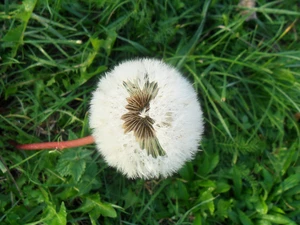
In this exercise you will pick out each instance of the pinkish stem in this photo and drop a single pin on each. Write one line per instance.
(56, 145)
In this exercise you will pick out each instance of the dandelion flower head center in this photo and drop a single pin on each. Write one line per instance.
(137, 118)
(144, 112)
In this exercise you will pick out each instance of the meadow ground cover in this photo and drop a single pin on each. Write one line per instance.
(246, 74)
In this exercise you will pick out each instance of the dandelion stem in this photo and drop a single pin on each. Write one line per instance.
(56, 145)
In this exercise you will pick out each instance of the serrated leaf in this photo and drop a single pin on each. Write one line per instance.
(94, 207)
(52, 217)
(34, 196)
(73, 162)
(73, 168)
(223, 208)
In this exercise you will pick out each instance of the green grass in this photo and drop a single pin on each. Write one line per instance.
(247, 75)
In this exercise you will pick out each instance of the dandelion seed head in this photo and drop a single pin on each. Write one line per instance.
(146, 119)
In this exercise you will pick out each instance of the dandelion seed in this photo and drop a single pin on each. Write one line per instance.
(146, 119)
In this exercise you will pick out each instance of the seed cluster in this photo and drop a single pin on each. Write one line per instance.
(137, 118)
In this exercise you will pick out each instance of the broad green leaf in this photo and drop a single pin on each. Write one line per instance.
(178, 190)
(293, 191)
(214, 161)
(268, 179)
(67, 193)
(130, 199)
(234, 217)
(204, 183)
(223, 207)
(182, 192)
(261, 206)
(277, 210)
(245, 220)
(290, 156)
(195, 208)
(110, 40)
(263, 222)
(288, 183)
(209, 164)
(187, 172)
(207, 195)
(14, 217)
(87, 183)
(86, 76)
(277, 219)
(52, 217)
(222, 187)
(44, 193)
(3, 167)
(13, 37)
(4, 200)
(237, 181)
(198, 219)
(75, 168)
(26, 9)
(96, 43)
(284, 75)
(94, 207)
